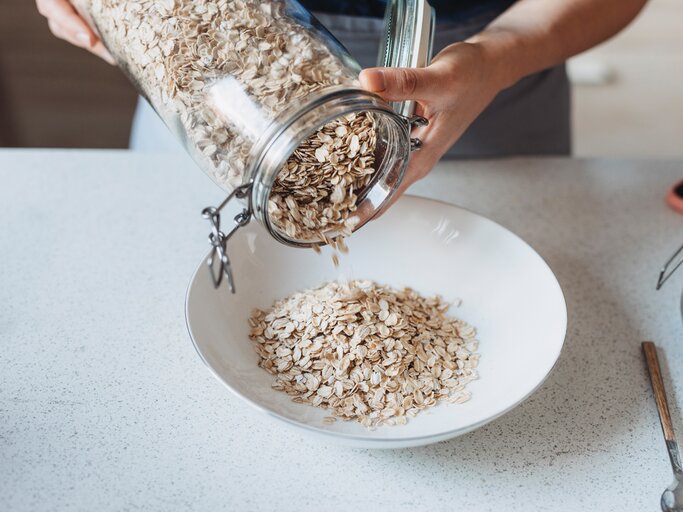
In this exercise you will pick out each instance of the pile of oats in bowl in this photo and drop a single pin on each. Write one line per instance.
(219, 71)
(366, 352)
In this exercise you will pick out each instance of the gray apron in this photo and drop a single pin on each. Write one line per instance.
(529, 118)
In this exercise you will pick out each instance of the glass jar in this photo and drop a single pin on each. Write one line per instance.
(268, 103)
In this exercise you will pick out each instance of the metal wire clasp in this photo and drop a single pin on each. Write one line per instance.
(219, 262)
(414, 121)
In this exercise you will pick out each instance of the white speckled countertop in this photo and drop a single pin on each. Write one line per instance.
(104, 404)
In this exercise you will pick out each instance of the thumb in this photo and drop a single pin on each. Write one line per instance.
(398, 84)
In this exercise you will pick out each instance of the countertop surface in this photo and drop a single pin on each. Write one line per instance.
(104, 404)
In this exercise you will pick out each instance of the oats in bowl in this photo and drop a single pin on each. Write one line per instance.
(366, 352)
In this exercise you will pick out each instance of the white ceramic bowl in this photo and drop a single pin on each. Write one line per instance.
(508, 293)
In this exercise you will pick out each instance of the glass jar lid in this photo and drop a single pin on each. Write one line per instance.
(408, 39)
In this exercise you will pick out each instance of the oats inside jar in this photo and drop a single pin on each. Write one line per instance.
(315, 195)
(218, 71)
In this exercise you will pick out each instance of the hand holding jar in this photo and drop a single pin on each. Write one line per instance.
(65, 23)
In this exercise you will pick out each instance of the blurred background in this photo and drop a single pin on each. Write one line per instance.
(628, 98)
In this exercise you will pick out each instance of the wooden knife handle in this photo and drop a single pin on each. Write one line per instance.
(650, 351)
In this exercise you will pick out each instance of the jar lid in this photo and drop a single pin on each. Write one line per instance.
(408, 39)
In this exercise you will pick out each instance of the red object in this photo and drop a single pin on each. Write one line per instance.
(675, 197)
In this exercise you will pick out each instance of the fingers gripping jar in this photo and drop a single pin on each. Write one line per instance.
(268, 104)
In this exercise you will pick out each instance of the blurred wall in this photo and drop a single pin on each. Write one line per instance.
(55, 95)
(638, 111)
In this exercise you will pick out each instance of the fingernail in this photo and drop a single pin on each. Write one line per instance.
(376, 80)
(83, 37)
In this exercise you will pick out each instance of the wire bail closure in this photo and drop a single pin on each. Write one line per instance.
(413, 122)
(219, 262)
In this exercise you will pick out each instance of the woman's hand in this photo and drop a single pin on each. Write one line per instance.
(67, 24)
(450, 93)
(465, 77)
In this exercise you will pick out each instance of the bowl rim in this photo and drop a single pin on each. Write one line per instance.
(412, 440)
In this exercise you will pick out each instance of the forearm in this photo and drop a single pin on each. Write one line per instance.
(537, 34)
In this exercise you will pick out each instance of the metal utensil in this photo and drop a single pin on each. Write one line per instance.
(672, 498)
(675, 261)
